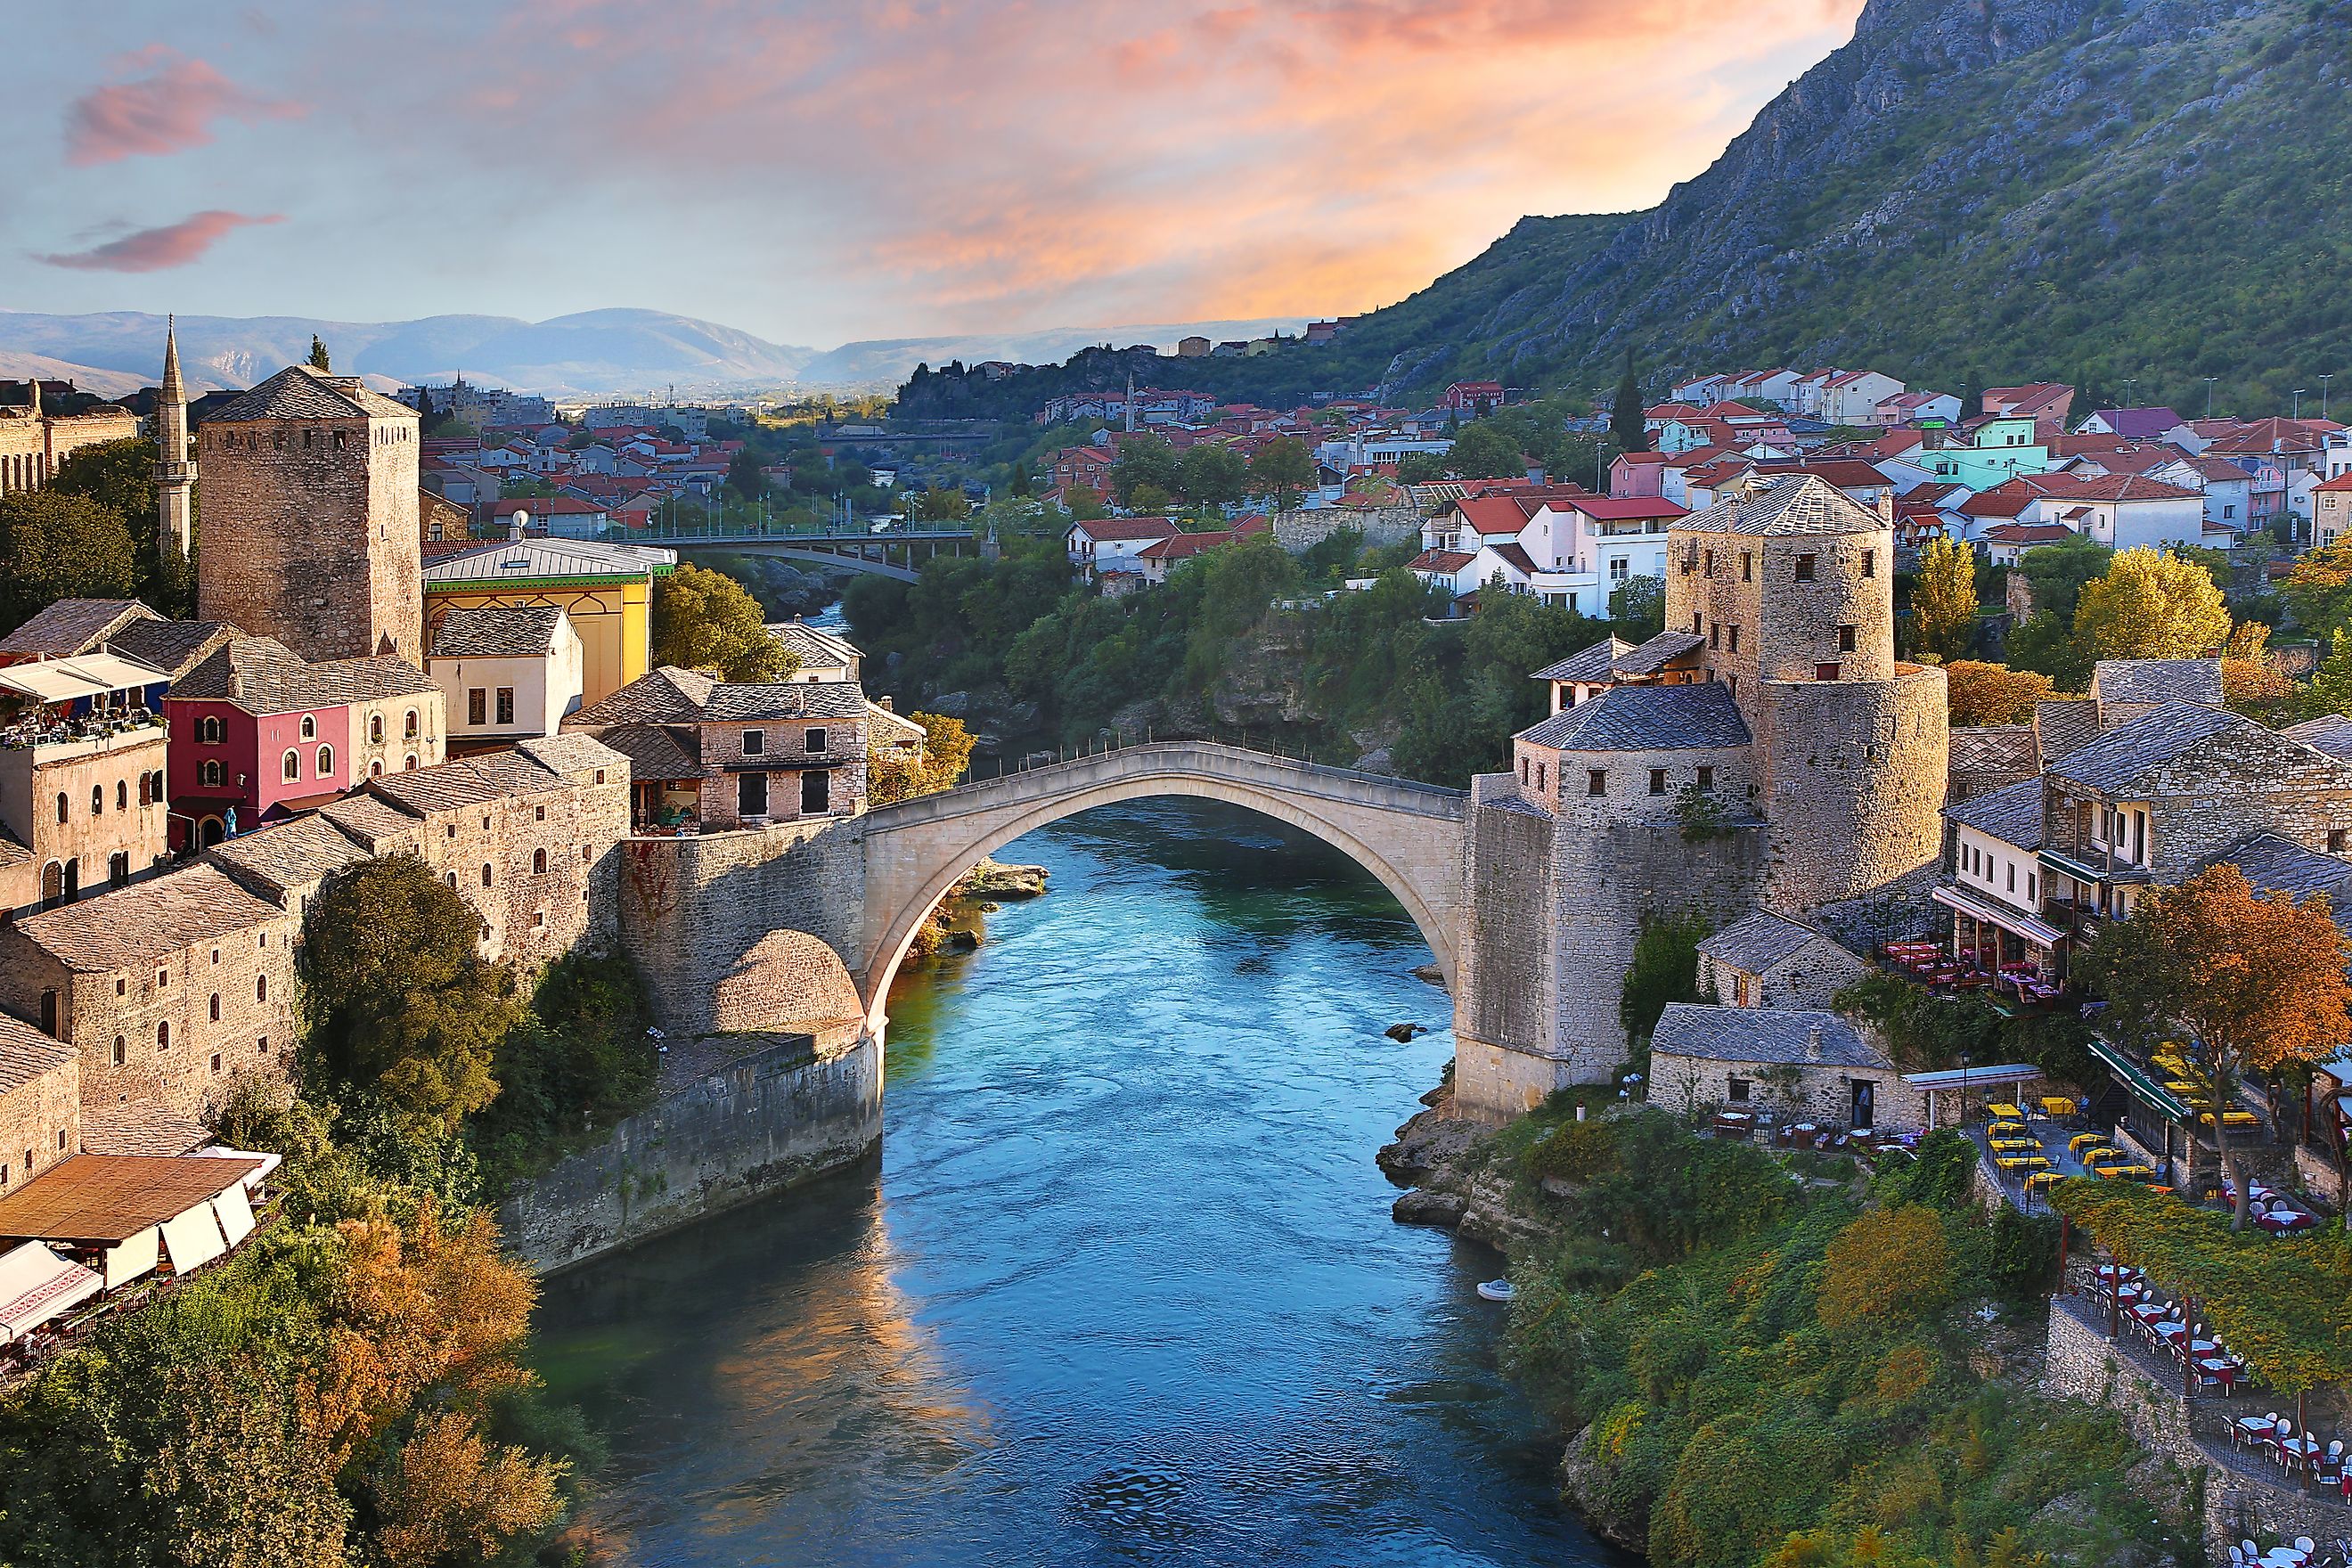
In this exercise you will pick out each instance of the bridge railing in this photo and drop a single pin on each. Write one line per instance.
(732, 533)
(1121, 742)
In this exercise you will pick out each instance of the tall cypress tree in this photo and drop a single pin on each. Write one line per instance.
(318, 354)
(1625, 418)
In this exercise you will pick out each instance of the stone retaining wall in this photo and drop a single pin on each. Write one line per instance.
(770, 1119)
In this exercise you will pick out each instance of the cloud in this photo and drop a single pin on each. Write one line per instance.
(169, 111)
(158, 250)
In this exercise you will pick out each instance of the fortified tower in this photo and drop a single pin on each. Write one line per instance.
(175, 468)
(311, 518)
(1765, 750)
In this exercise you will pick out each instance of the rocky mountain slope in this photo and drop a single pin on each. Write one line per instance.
(2076, 189)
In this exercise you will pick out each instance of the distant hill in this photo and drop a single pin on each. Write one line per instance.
(2069, 190)
(592, 354)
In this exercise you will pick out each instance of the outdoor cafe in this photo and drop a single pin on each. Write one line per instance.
(2004, 951)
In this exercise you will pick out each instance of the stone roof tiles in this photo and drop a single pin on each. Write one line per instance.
(172, 647)
(2121, 758)
(571, 753)
(2011, 749)
(464, 781)
(786, 700)
(541, 560)
(2065, 724)
(2012, 814)
(26, 1054)
(664, 695)
(2278, 864)
(496, 631)
(1757, 942)
(287, 855)
(657, 750)
(301, 391)
(2330, 733)
(1591, 666)
(2195, 680)
(71, 626)
(818, 649)
(373, 821)
(1800, 504)
(262, 675)
(1645, 718)
(1657, 653)
(1774, 1034)
(146, 920)
(140, 1127)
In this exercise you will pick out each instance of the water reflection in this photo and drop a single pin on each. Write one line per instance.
(1123, 1288)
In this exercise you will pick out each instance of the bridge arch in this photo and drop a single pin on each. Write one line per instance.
(1408, 836)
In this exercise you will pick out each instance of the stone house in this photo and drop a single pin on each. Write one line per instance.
(32, 442)
(1765, 959)
(506, 674)
(171, 991)
(2331, 510)
(1805, 1065)
(40, 1102)
(83, 801)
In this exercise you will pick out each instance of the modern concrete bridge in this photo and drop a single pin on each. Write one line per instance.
(1408, 835)
(894, 553)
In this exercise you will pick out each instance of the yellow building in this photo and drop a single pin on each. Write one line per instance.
(607, 590)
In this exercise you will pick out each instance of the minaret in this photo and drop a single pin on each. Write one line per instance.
(175, 474)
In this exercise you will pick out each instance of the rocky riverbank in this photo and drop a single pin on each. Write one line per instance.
(961, 919)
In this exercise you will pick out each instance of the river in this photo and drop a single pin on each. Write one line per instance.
(1124, 1286)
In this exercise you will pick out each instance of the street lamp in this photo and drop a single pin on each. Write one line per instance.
(1964, 1087)
(2209, 394)
(2298, 402)
(2324, 380)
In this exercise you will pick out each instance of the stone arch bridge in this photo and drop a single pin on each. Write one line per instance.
(1408, 835)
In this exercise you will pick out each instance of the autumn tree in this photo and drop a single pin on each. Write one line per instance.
(2256, 980)
(892, 774)
(2251, 681)
(1982, 693)
(452, 1496)
(1282, 471)
(1892, 1266)
(2151, 605)
(58, 546)
(1943, 602)
(2317, 589)
(399, 1001)
(705, 620)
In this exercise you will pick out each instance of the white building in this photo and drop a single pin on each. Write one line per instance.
(506, 674)
(2123, 512)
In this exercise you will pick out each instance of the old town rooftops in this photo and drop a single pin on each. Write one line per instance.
(2197, 680)
(818, 648)
(287, 855)
(2330, 733)
(1645, 718)
(140, 1127)
(26, 1054)
(145, 921)
(786, 700)
(71, 626)
(2121, 760)
(1657, 653)
(493, 565)
(1787, 1037)
(2278, 864)
(496, 631)
(1757, 942)
(262, 675)
(101, 1198)
(1593, 666)
(656, 752)
(2012, 814)
(663, 695)
(1796, 504)
(172, 647)
(301, 391)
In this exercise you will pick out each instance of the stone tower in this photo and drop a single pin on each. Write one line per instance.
(311, 518)
(175, 471)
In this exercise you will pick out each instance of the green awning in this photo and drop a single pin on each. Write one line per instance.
(2136, 1080)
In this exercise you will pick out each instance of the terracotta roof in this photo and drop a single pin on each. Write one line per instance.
(2107, 487)
(2138, 423)
(496, 631)
(1621, 508)
(72, 627)
(146, 920)
(299, 392)
(1645, 718)
(1515, 555)
(663, 695)
(140, 1127)
(262, 675)
(2337, 486)
(1444, 561)
(112, 1198)
(1110, 528)
(1182, 546)
(1846, 473)
(1493, 514)
(27, 1053)
(2027, 534)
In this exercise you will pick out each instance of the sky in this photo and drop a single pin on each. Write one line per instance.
(820, 172)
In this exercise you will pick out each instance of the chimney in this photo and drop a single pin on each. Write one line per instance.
(1813, 1043)
(886, 703)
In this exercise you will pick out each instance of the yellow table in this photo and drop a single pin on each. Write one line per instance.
(2009, 1111)
(2008, 1130)
(2181, 1086)
(2233, 1119)
(2094, 1158)
(2023, 1162)
(2013, 1145)
(2041, 1179)
(2110, 1173)
(2081, 1141)
(2057, 1105)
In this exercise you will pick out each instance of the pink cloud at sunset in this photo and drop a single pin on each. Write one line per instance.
(156, 249)
(168, 110)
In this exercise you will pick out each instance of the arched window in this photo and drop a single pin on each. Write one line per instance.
(162, 1036)
(146, 797)
(261, 988)
(452, 878)
(98, 800)
(121, 1050)
(209, 731)
(375, 769)
(209, 775)
(486, 873)
(410, 765)
(309, 727)
(215, 1007)
(326, 761)
(61, 806)
(409, 729)
(375, 729)
(122, 793)
(292, 763)
(538, 860)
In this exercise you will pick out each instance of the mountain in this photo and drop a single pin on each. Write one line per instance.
(884, 362)
(2087, 191)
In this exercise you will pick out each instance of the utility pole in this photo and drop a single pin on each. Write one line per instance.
(2209, 394)
(2298, 402)
(2324, 380)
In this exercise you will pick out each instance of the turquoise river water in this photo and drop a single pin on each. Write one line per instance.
(1123, 1288)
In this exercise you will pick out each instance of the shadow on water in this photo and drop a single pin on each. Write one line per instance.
(1122, 1286)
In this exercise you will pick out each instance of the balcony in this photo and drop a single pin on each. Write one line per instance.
(51, 739)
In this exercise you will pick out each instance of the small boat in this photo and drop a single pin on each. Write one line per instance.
(1496, 1290)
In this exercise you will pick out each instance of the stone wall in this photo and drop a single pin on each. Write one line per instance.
(1698, 1085)
(770, 1118)
(2241, 781)
(1810, 977)
(1299, 531)
(1853, 776)
(689, 908)
(40, 1121)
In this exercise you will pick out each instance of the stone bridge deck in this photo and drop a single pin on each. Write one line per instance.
(1408, 835)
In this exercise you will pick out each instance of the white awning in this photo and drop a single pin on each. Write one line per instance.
(235, 1214)
(133, 1258)
(269, 1162)
(1969, 1078)
(54, 680)
(37, 1285)
(2026, 926)
(192, 1238)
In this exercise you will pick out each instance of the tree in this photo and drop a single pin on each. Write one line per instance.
(2055, 573)
(1665, 970)
(1142, 461)
(1211, 474)
(1981, 693)
(2318, 589)
(942, 505)
(2257, 980)
(743, 476)
(1625, 413)
(1637, 606)
(894, 775)
(2330, 689)
(1891, 1266)
(1944, 603)
(1485, 451)
(1082, 503)
(2150, 604)
(704, 620)
(319, 354)
(451, 1496)
(1282, 471)
(1420, 468)
(2046, 645)
(58, 546)
(120, 477)
(398, 1000)
(2251, 681)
